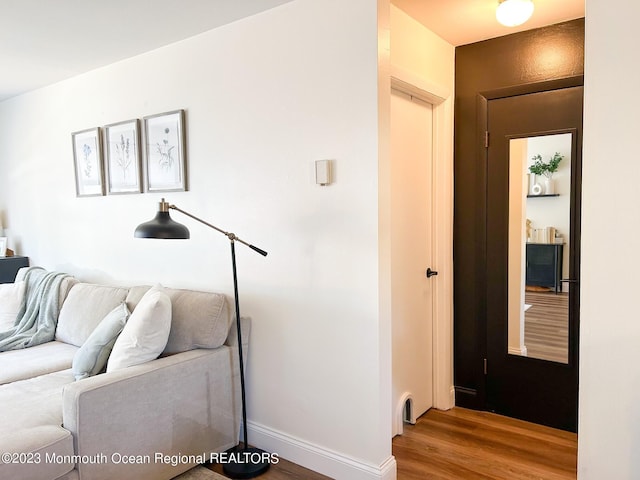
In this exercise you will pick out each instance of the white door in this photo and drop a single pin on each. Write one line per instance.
(411, 255)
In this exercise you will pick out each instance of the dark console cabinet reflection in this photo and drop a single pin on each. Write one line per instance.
(544, 265)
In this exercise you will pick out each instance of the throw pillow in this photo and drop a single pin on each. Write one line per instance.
(93, 355)
(11, 295)
(146, 333)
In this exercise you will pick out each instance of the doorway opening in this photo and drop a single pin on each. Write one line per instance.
(434, 184)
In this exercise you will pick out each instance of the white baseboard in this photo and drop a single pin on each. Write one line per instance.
(318, 459)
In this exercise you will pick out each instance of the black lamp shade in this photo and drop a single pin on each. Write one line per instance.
(162, 226)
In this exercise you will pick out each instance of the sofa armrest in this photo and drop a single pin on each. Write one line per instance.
(132, 423)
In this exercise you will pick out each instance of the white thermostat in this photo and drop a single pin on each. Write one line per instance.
(323, 172)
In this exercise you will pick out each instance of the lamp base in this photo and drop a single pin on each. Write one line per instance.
(246, 462)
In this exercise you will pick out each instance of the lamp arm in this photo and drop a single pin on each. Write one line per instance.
(231, 236)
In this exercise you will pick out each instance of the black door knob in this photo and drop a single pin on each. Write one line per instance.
(431, 273)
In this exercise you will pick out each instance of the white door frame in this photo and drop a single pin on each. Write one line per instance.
(442, 233)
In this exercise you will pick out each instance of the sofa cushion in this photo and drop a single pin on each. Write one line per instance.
(11, 295)
(145, 335)
(32, 412)
(198, 319)
(34, 361)
(84, 308)
(38, 444)
(93, 355)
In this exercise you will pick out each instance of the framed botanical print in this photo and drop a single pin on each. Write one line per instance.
(123, 157)
(87, 159)
(165, 162)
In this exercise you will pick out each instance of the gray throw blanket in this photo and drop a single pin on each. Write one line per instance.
(38, 316)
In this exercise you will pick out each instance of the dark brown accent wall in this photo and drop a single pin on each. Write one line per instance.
(532, 61)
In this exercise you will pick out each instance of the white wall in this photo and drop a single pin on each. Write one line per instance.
(265, 97)
(609, 413)
(420, 51)
(517, 246)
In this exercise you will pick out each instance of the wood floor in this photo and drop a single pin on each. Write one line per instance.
(546, 326)
(462, 444)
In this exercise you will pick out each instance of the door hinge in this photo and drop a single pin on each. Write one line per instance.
(486, 139)
(485, 366)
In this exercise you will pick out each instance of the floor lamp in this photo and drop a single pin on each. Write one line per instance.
(247, 462)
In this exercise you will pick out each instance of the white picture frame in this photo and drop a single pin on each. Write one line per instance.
(3, 246)
(88, 164)
(165, 162)
(122, 157)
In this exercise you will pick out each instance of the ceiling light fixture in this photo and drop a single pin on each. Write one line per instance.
(512, 13)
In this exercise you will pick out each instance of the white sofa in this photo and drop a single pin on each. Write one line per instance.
(150, 421)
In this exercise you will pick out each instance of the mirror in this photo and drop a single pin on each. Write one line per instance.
(539, 228)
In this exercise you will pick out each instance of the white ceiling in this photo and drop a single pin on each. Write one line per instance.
(45, 41)
(460, 22)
